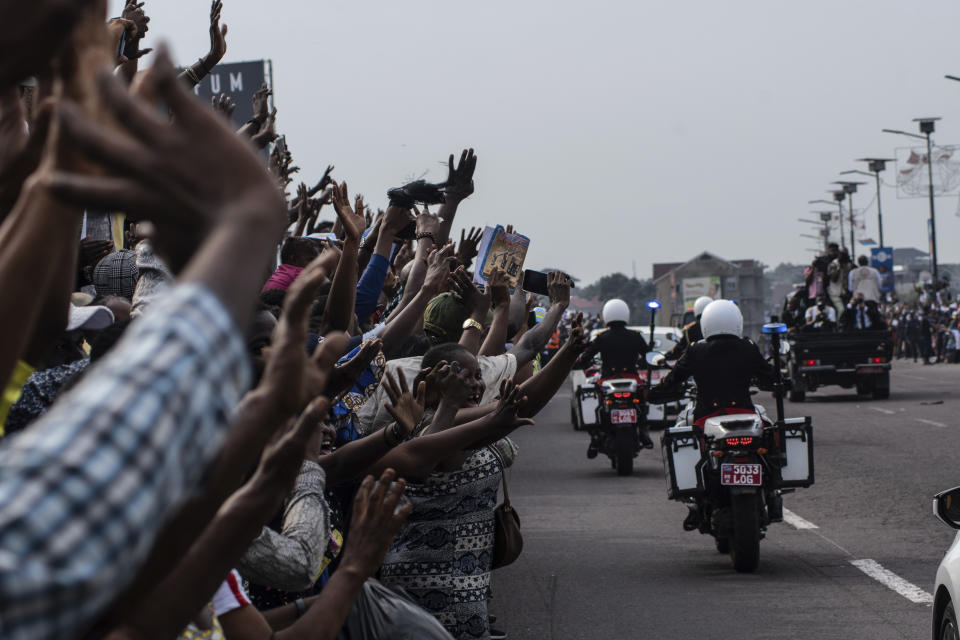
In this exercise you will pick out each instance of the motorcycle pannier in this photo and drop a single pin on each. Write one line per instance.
(797, 438)
(589, 401)
(681, 461)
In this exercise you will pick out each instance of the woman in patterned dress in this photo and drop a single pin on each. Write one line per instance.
(442, 556)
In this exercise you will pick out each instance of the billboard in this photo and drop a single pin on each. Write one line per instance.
(881, 259)
(693, 288)
(239, 80)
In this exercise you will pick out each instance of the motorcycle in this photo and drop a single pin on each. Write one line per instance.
(733, 470)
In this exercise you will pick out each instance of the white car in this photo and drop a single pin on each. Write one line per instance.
(583, 406)
(946, 506)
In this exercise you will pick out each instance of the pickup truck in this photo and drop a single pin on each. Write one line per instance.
(858, 359)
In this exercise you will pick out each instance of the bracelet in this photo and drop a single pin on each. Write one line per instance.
(386, 440)
(301, 607)
(396, 432)
(427, 234)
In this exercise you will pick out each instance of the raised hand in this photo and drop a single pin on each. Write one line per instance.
(375, 520)
(427, 223)
(267, 133)
(352, 221)
(218, 36)
(558, 286)
(512, 400)
(467, 250)
(477, 302)
(438, 269)
(498, 285)
(261, 103)
(459, 183)
(405, 407)
(396, 220)
(117, 27)
(577, 342)
(186, 174)
(133, 11)
(223, 105)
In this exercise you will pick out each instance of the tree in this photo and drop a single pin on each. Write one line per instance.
(635, 293)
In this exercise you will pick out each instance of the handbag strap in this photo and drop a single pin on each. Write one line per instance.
(503, 474)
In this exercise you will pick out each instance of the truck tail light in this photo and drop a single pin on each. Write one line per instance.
(878, 360)
(811, 363)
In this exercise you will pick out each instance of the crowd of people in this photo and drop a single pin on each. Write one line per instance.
(223, 416)
(838, 295)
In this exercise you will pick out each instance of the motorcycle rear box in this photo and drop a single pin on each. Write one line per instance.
(797, 438)
(681, 451)
(589, 401)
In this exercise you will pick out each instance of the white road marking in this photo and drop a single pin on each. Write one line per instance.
(930, 422)
(887, 578)
(796, 521)
(886, 411)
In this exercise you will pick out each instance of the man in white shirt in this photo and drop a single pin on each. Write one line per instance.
(821, 315)
(865, 280)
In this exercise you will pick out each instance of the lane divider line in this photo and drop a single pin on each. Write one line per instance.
(796, 521)
(892, 581)
(930, 422)
(886, 411)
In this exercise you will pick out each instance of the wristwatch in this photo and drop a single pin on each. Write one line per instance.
(470, 323)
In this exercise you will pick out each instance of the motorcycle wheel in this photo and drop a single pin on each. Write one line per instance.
(723, 545)
(624, 452)
(745, 546)
(573, 419)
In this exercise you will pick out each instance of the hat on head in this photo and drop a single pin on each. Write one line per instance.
(93, 318)
(117, 274)
(443, 318)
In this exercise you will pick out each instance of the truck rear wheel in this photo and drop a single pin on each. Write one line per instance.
(798, 396)
(881, 388)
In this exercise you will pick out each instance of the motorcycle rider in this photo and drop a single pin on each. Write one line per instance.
(692, 332)
(621, 350)
(723, 364)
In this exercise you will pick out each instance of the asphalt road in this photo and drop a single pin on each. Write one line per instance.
(606, 557)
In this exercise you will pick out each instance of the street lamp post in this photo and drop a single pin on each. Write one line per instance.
(876, 165)
(850, 188)
(926, 128)
(837, 200)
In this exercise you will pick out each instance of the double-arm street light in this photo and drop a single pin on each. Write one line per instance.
(926, 128)
(876, 165)
(849, 188)
(837, 199)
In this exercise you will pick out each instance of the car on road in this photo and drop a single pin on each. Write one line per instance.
(946, 506)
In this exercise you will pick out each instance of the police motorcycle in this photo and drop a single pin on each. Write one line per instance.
(733, 471)
(616, 412)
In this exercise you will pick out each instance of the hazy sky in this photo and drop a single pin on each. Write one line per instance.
(610, 132)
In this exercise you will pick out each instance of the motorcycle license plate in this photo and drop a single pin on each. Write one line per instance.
(741, 475)
(623, 416)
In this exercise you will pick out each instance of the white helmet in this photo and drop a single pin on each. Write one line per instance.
(701, 304)
(616, 310)
(722, 317)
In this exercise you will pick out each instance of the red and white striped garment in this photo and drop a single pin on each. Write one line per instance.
(230, 595)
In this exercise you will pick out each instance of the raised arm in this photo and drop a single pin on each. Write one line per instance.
(534, 340)
(459, 187)
(496, 341)
(196, 72)
(339, 312)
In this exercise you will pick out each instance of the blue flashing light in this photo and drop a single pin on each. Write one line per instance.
(653, 304)
(774, 327)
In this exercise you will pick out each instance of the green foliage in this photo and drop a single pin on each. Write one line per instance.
(634, 292)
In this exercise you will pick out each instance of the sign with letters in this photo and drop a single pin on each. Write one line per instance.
(239, 80)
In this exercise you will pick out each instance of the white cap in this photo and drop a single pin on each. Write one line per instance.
(95, 317)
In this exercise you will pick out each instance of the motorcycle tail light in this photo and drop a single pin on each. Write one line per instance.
(636, 401)
(811, 363)
(761, 451)
(717, 454)
(739, 442)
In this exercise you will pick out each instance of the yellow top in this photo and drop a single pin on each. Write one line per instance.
(12, 391)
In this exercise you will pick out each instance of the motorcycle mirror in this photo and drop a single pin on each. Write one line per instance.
(655, 358)
(946, 507)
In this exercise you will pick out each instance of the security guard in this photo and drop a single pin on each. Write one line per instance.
(723, 365)
(692, 332)
(620, 350)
